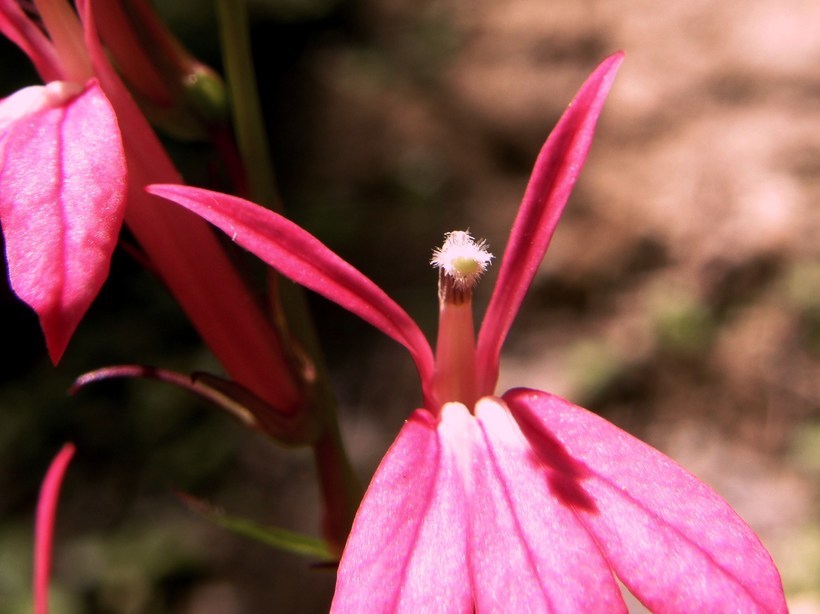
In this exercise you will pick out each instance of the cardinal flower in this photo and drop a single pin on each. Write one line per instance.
(519, 502)
(75, 155)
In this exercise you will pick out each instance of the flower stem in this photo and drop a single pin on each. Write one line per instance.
(247, 112)
(341, 490)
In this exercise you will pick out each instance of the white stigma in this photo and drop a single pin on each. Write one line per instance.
(462, 259)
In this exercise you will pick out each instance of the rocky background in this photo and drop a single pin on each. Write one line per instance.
(680, 297)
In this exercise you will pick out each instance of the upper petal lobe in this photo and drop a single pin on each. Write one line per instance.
(556, 170)
(300, 256)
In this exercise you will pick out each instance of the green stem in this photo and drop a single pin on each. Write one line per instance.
(247, 112)
(340, 488)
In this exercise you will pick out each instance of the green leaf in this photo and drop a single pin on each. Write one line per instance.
(275, 537)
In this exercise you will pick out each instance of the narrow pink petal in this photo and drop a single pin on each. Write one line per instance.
(407, 549)
(44, 530)
(673, 541)
(18, 28)
(556, 169)
(298, 255)
(528, 550)
(62, 200)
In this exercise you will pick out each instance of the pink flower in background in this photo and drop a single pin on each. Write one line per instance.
(75, 156)
(523, 501)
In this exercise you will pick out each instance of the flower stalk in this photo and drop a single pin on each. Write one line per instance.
(246, 110)
(341, 489)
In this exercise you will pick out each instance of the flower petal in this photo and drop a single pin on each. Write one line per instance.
(556, 169)
(62, 200)
(44, 531)
(528, 551)
(60, 22)
(674, 542)
(407, 549)
(23, 32)
(297, 254)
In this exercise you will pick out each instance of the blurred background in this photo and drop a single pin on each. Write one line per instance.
(680, 297)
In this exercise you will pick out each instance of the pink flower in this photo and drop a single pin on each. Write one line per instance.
(519, 502)
(75, 156)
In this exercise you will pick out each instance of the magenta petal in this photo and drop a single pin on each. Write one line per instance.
(528, 550)
(556, 170)
(297, 254)
(673, 541)
(62, 197)
(407, 549)
(44, 531)
(20, 29)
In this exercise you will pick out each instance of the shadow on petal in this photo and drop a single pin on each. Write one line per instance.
(672, 540)
(564, 473)
(570, 491)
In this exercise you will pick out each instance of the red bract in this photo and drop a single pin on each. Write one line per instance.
(519, 502)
